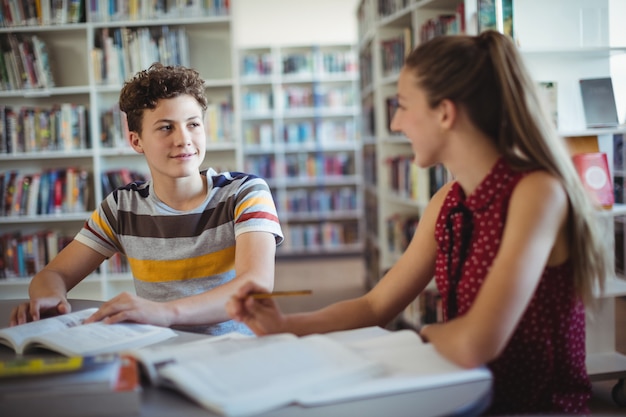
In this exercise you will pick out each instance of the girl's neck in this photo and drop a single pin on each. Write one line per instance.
(471, 160)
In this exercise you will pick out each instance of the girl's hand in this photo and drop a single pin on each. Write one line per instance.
(262, 316)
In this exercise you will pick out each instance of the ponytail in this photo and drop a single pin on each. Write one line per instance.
(486, 76)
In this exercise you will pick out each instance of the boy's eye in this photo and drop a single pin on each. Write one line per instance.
(165, 127)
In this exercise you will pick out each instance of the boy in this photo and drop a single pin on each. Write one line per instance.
(191, 237)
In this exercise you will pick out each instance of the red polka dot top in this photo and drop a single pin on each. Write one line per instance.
(542, 369)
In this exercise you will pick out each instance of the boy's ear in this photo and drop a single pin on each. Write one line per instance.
(135, 142)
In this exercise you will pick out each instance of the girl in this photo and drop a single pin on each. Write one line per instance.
(510, 242)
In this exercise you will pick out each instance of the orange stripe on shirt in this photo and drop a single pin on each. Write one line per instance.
(99, 221)
(263, 201)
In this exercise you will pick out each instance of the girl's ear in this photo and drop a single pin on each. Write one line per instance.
(447, 113)
(135, 142)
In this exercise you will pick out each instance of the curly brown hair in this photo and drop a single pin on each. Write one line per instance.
(158, 82)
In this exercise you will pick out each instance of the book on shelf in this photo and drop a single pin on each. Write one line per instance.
(66, 334)
(389, 7)
(102, 11)
(63, 126)
(496, 15)
(391, 105)
(309, 370)
(400, 230)
(394, 50)
(444, 24)
(593, 169)
(102, 385)
(598, 102)
(65, 190)
(23, 255)
(438, 176)
(25, 62)
(548, 94)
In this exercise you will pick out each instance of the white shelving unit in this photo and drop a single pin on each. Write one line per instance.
(579, 39)
(390, 207)
(300, 114)
(586, 46)
(71, 47)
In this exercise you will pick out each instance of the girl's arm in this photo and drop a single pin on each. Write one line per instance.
(401, 285)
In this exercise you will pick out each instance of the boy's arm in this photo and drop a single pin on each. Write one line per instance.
(254, 261)
(48, 288)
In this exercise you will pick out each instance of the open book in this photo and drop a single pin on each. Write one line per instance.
(409, 365)
(66, 334)
(236, 375)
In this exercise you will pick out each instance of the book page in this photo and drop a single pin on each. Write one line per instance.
(97, 338)
(152, 358)
(14, 337)
(269, 376)
(409, 365)
(366, 334)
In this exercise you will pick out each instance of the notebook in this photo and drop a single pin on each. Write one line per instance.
(599, 102)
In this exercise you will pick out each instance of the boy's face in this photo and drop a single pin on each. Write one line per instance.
(173, 138)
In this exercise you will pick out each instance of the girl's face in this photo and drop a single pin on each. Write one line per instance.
(417, 120)
(173, 137)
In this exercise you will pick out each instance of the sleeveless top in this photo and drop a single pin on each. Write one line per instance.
(542, 368)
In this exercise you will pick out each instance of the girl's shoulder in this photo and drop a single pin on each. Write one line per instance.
(539, 191)
(538, 182)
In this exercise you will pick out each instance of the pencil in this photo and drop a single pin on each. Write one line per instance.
(280, 294)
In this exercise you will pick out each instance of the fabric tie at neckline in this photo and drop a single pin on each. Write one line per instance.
(461, 215)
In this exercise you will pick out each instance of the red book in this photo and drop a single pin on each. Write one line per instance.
(593, 169)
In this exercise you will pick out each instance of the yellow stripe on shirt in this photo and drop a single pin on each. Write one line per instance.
(176, 270)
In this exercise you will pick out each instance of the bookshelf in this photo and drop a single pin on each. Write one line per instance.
(89, 58)
(395, 189)
(299, 124)
(579, 42)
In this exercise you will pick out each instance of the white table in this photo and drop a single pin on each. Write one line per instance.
(464, 399)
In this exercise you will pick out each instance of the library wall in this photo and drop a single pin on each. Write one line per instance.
(294, 22)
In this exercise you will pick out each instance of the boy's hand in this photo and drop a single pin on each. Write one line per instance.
(132, 308)
(37, 308)
(262, 316)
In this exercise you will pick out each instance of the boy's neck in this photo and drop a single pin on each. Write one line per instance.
(182, 193)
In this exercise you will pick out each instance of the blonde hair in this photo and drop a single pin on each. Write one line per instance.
(485, 75)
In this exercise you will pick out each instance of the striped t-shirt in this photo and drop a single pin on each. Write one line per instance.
(174, 254)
